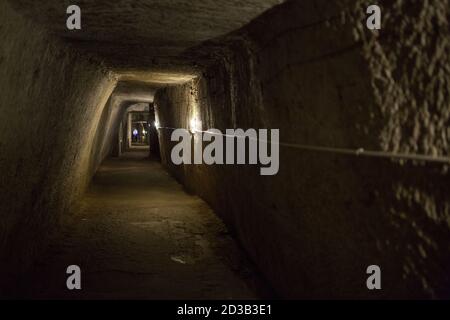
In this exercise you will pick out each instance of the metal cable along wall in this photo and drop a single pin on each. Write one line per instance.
(360, 152)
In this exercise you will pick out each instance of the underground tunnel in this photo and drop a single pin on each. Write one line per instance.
(87, 126)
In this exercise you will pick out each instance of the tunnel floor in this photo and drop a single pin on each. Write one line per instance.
(139, 235)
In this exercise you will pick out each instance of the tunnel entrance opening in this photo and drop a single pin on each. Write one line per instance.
(139, 130)
(134, 129)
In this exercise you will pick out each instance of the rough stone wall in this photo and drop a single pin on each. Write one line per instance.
(312, 70)
(51, 102)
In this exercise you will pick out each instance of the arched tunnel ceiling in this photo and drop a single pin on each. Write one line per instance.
(138, 107)
(157, 78)
(136, 34)
(134, 91)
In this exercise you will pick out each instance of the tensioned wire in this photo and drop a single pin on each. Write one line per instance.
(347, 151)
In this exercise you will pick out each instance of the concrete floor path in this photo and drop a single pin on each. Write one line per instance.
(139, 235)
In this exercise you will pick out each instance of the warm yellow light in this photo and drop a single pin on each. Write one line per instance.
(195, 125)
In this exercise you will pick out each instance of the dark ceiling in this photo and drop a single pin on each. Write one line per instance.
(133, 32)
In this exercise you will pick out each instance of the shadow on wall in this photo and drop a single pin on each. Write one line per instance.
(51, 118)
(311, 69)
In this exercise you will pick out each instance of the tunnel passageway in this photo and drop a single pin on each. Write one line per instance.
(138, 234)
(362, 117)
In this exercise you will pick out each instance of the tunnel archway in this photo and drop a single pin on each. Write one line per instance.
(308, 68)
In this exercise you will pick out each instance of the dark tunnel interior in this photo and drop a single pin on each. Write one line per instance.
(359, 176)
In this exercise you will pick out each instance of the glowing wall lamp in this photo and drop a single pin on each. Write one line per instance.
(195, 125)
